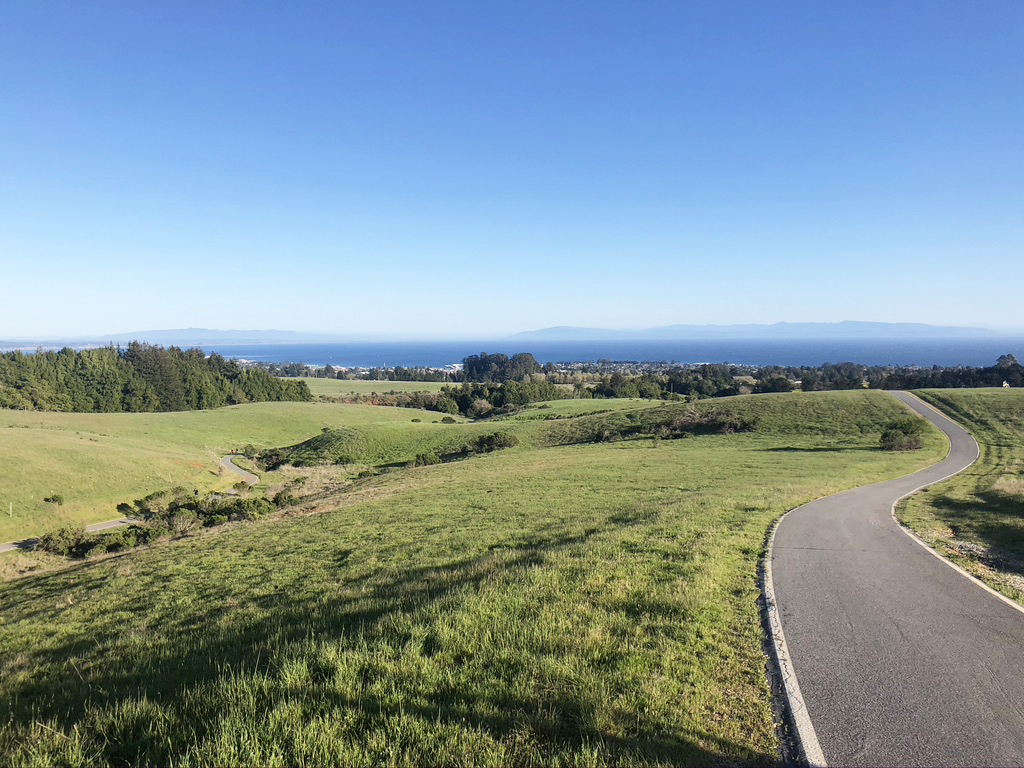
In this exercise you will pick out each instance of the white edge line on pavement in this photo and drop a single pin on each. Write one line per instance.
(805, 733)
(914, 537)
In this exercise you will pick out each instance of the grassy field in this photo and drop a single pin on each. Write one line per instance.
(346, 387)
(591, 604)
(96, 461)
(977, 518)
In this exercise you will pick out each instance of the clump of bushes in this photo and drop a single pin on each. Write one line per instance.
(425, 459)
(668, 424)
(55, 499)
(494, 441)
(903, 434)
(162, 514)
(76, 543)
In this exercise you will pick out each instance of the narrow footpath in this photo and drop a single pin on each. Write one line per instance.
(900, 658)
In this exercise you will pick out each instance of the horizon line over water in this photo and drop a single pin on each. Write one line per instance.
(907, 352)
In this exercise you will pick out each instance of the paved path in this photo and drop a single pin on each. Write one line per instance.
(901, 660)
(227, 463)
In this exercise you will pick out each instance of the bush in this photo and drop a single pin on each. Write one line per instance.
(285, 498)
(425, 459)
(495, 441)
(447, 420)
(902, 434)
(55, 499)
(894, 440)
(63, 541)
(76, 543)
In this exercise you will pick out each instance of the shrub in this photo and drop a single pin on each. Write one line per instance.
(447, 420)
(902, 434)
(425, 459)
(285, 498)
(63, 541)
(55, 499)
(496, 441)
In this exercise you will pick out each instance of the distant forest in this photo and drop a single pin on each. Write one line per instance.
(136, 378)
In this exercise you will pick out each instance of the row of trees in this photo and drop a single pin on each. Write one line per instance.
(856, 376)
(397, 373)
(140, 377)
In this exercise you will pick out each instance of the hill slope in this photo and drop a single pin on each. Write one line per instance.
(578, 604)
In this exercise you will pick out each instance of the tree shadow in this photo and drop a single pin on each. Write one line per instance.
(819, 449)
(77, 678)
(996, 519)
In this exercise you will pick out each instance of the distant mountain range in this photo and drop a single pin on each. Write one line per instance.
(848, 329)
(189, 337)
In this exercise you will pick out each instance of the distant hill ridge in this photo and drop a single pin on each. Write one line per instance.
(847, 329)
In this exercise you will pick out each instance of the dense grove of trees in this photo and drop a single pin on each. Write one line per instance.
(499, 368)
(139, 377)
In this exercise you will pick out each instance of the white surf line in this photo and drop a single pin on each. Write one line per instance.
(806, 736)
(931, 550)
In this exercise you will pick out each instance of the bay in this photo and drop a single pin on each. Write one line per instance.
(437, 354)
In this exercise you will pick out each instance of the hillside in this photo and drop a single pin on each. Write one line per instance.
(592, 603)
(97, 460)
(977, 518)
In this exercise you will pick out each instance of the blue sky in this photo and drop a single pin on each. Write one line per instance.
(444, 169)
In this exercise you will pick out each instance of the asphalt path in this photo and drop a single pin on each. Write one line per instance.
(900, 658)
(227, 463)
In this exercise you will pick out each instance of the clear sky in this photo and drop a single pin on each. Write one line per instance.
(480, 168)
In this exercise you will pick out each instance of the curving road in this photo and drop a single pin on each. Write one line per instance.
(900, 658)
(228, 463)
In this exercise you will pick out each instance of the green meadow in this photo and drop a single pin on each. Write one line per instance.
(95, 461)
(346, 387)
(582, 604)
(977, 518)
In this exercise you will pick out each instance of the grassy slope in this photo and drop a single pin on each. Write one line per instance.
(977, 518)
(587, 604)
(96, 460)
(345, 387)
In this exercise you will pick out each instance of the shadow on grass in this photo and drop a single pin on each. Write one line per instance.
(819, 449)
(994, 519)
(84, 692)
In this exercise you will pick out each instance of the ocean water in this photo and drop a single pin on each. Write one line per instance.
(920, 352)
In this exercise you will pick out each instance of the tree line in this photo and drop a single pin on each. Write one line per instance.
(136, 378)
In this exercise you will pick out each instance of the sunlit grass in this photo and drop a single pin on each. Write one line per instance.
(579, 605)
(97, 460)
(977, 517)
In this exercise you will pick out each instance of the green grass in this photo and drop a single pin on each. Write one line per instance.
(977, 517)
(569, 408)
(346, 387)
(572, 605)
(97, 460)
